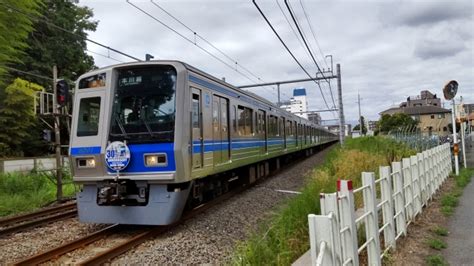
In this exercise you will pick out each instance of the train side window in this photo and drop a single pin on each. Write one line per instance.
(89, 114)
(196, 111)
(245, 121)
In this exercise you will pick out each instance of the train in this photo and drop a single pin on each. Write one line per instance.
(152, 139)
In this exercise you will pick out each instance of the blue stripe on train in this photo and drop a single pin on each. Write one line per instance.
(210, 145)
(137, 152)
(92, 150)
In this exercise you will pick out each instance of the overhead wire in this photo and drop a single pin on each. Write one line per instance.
(193, 42)
(314, 35)
(106, 56)
(70, 32)
(288, 49)
(311, 53)
(27, 73)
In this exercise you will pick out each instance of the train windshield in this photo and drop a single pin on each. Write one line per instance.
(144, 105)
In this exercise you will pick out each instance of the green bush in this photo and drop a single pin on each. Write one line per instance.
(441, 231)
(26, 192)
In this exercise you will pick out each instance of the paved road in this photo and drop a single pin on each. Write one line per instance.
(460, 249)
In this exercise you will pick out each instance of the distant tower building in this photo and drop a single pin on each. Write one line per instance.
(297, 104)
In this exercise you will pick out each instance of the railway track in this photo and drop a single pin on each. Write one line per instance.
(37, 218)
(54, 255)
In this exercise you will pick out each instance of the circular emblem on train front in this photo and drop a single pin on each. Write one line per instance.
(117, 156)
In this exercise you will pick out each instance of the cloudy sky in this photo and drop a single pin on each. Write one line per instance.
(388, 50)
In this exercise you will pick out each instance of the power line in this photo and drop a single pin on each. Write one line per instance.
(312, 32)
(70, 32)
(106, 56)
(27, 73)
(197, 45)
(286, 47)
(291, 26)
(209, 43)
(307, 47)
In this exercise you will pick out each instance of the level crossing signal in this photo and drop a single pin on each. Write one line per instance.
(62, 92)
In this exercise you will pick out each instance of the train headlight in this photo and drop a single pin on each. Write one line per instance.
(155, 160)
(86, 163)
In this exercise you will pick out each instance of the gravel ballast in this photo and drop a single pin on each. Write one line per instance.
(211, 236)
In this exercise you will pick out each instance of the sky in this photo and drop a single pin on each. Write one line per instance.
(388, 50)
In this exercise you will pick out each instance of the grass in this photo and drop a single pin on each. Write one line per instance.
(436, 243)
(450, 200)
(284, 237)
(26, 192)
(441, 231)
(436, 260)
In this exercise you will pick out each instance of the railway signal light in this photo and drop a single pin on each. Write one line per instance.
(62, 92)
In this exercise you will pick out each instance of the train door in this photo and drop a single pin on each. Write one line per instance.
(262, 130)
(196, 125)
(220, 129)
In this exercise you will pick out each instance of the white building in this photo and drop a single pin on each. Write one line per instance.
(298, 104)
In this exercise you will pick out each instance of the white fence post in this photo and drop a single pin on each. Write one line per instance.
(429, 183)
(399, 195)
(320, 228)
(407, 187)
(422, 178)
(372, 220)
(347, 222)
(415, 175)
(328, 203)
(387, 208)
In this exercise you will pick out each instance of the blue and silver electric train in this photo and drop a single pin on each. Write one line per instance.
(150, 139)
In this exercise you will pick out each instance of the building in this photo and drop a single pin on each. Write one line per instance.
(315, 118)
(335, 129)
(298, 104)
(426, 109)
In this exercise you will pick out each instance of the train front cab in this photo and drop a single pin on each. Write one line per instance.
(120, 104)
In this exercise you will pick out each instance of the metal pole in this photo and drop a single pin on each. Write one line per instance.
(360, 115)
(278, 89)
(463, 143)
(455, 140)
(59, 173)
(342, 127)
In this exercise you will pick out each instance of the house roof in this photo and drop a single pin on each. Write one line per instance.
(418, 110)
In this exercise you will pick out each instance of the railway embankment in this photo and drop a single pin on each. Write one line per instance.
(283, 237)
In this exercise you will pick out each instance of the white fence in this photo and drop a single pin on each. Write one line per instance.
(28, 164)
(399, 195)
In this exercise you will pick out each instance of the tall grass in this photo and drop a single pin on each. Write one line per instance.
(26, 192)
(283, 238)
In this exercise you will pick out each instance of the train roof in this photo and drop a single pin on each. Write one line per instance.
(213, 78)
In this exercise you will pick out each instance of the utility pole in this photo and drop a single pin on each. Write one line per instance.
(360, 115)
(342, 127)
(59, 173)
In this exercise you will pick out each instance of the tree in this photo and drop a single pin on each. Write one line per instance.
(17, 117)
(15, 25)
(395, 122)
(49, 45)
(364, 127)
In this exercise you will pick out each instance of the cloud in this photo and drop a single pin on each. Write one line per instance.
(429, 49)
(419, 13)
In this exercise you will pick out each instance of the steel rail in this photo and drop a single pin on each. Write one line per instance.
(37, 222)
(68, 247)
(40, 213)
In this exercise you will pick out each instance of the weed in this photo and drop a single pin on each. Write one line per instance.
(284, 237)
(26, 192)
(436, 260)
(441, 231)
(449, 200)
(447, 210)
(436, 243)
